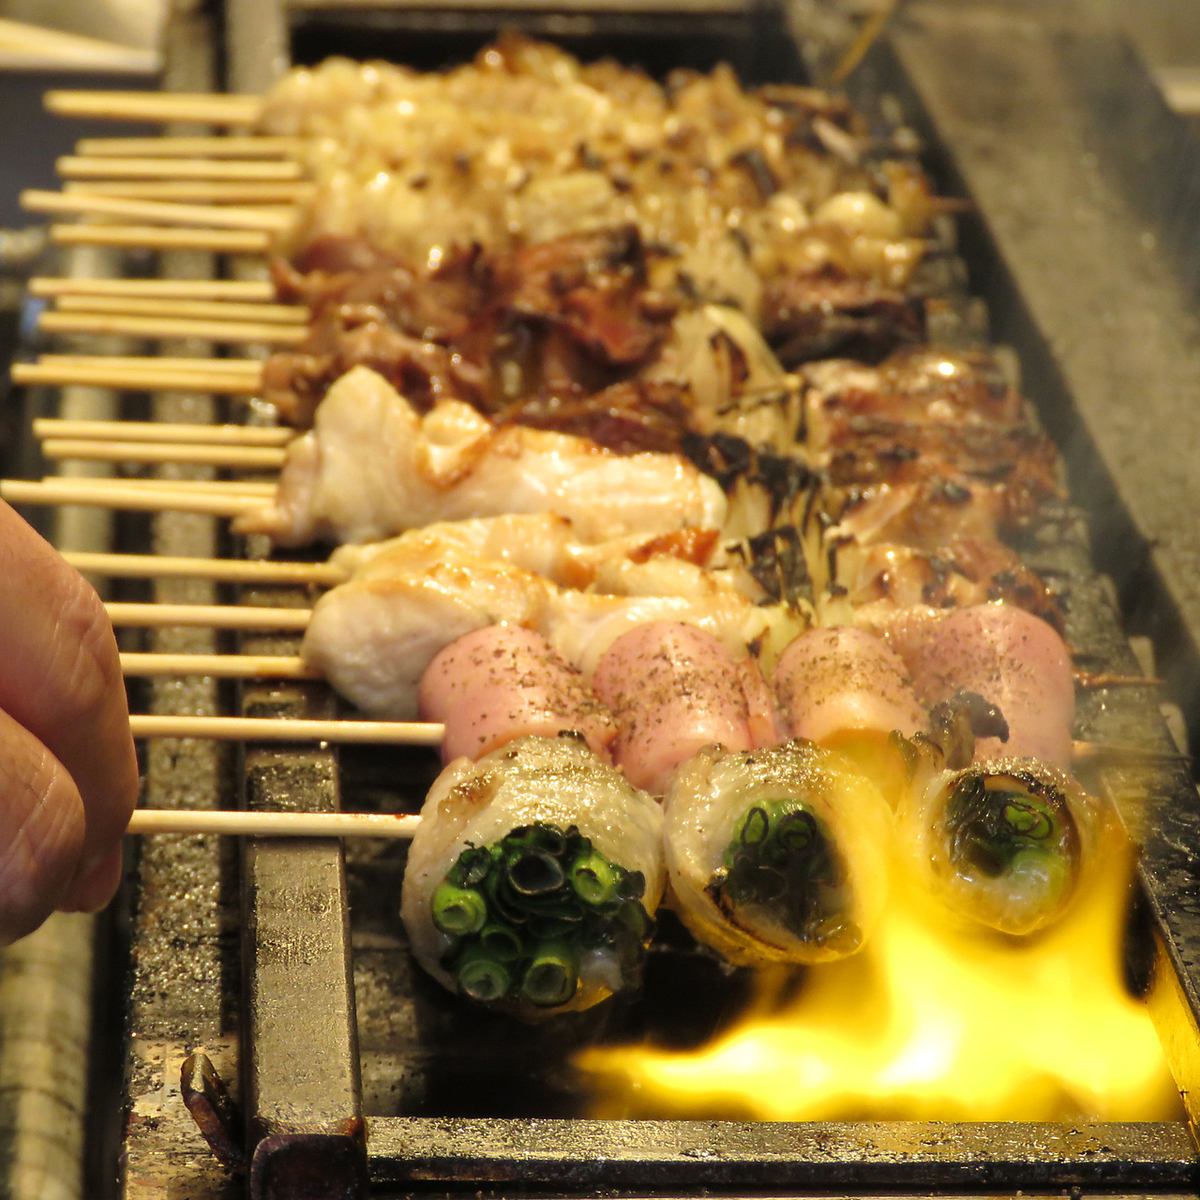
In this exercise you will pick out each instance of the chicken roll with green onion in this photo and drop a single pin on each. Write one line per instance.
(533, 878)
(777, 855)
(1003, 843)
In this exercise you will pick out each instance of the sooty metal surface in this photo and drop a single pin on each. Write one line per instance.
(726, 1155)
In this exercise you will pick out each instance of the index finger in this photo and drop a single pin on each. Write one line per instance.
(61, 679)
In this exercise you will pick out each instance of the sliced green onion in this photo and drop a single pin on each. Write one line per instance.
(535, 872)
(796, 830)
(631, 885)
(593, 878)
(552, 975)
(754, 827)
(481, 977)
(1028, 821)
(458, 911)
(544, 888)
(501, 942)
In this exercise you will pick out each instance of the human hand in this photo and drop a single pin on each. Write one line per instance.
(68, 769)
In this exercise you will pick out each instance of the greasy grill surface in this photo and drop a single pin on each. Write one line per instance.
(456, 1100)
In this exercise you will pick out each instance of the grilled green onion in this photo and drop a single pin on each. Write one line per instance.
(524, 910)
(780, 859)
(593, 878)
(552, 975)
(482, 977)
(458, 911)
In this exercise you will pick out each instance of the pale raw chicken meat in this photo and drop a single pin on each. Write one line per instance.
(505, 682)
(371, 467)
(372, 638)
(831, 681)
(1012, 659)
(673, 689)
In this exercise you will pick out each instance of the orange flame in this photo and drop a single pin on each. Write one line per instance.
(927, 1023)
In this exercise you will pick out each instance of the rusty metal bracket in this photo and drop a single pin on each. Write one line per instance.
(216, 1115)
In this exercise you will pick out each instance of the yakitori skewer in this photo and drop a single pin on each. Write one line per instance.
(200, 191)
(208, 616)
(124, 494)
(268, 729)
(187, 309)
(220, 570)
(125, 325)
(97, 373)
(246, 290)
(231, 457)
(214, 216)
(231, 146)
(219, 666)
(399, 826)
(169, 488)
(154, 237)
(45, 428)
(147, 363)
(207, 108)
(75, 166)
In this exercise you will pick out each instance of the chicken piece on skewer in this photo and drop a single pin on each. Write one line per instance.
(777, 855)
(1002, 842)
(371, 468)
(533, 878)
(504, 682)
(373, 637)
(527, 143)
(922, 385)
(846, 689)
(673, 689)
(1009, 657)
(691, 560)
(878, 583)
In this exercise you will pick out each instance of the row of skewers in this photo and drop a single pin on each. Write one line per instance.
(611, 518)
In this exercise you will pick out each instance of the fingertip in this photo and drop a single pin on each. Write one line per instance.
(95, 885)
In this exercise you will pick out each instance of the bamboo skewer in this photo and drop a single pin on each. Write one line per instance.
(231, 457)
(124, 325)
(219, 666)
(46, 428)
(198, 192)
(125, 494)
(135, 379)
(166, 107)
(270, 729)
(153, 237)
(208, 616)
(186, 309)
(212, 216)
(169, 488)
(184, 289)
(400, 826)
(232, 146)
(75, 166)
(247, 368)
(220, 570)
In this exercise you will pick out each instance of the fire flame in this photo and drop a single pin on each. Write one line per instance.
(929, 1022)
